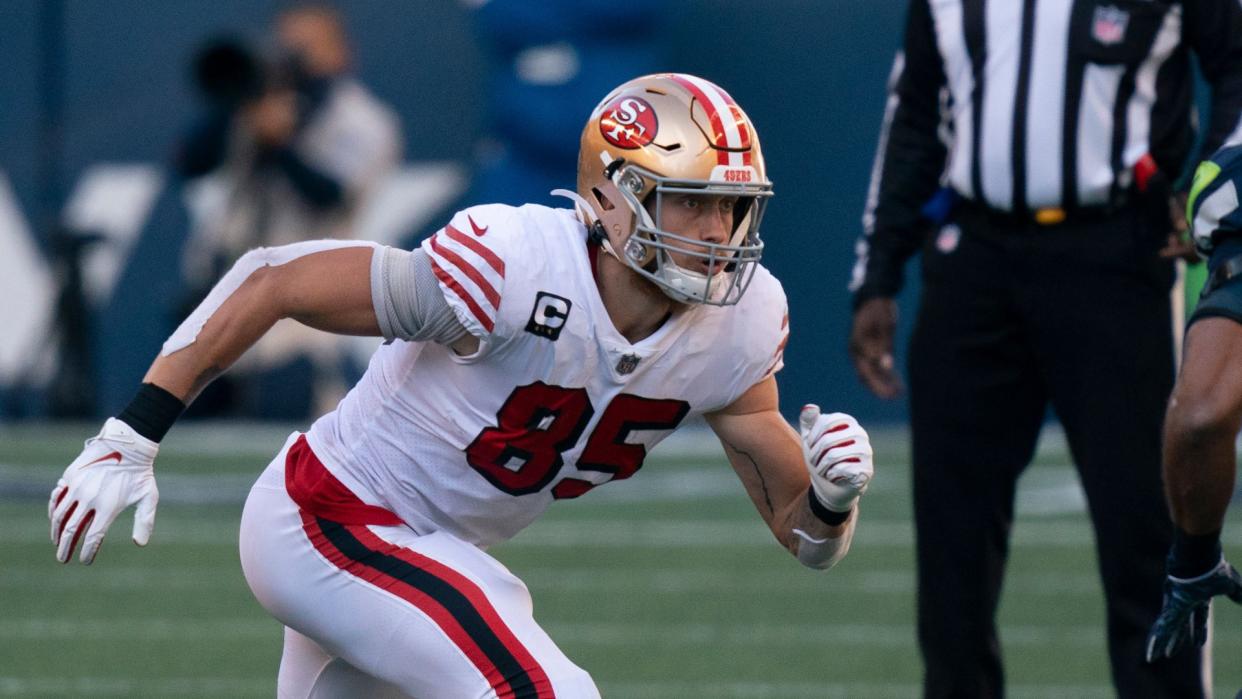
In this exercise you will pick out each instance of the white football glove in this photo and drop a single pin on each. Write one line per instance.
(838, 454)
(113, 472)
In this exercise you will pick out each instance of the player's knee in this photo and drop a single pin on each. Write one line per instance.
(1203, 419)
(339, 679)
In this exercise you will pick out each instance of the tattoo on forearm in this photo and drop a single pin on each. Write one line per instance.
(767, 499)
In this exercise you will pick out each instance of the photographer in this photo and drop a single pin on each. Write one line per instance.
(298, 142)
(291, 146)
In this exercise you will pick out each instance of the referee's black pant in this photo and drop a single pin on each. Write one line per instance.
(1015, 317)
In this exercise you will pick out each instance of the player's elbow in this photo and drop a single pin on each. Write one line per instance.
(262, 286)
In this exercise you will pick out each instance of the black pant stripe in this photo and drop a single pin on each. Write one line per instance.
(462, 610)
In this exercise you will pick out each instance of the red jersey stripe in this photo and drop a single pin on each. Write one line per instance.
(777, 364)
(479, 249)
(781, 347)
(477, 311)
(489, 291)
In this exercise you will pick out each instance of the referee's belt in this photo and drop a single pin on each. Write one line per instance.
(1044, 216)
(1227, 270)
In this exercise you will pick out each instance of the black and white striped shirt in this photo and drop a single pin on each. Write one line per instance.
(1028, 104)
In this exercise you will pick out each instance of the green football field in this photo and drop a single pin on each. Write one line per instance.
(664, 586)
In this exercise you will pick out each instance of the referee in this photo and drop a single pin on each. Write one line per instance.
(1027, 149)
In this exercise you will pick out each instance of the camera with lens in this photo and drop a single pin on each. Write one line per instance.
(230, 73)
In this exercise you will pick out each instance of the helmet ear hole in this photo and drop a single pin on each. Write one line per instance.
(741, 209)
(604, 202)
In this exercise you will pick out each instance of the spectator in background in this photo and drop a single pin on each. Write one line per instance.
(294, 145)
(548, 60)
(1046, 282)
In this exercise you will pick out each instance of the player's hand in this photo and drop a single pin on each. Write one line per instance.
(1183, 619)
(1178, 247)
(1179, 244)
(838, 454)
(871, 346)
(113, 472)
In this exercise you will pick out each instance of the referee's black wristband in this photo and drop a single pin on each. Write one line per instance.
(152, 412)
(823, 514)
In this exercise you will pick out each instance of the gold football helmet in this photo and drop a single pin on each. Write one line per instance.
(673, 134)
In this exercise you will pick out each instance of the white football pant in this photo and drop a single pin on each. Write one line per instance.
(381, 611)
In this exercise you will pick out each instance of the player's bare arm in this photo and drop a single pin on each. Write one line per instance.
(325, 285)
(773, 464)
(329, 290)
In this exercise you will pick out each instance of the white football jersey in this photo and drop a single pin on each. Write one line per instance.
(555, 402)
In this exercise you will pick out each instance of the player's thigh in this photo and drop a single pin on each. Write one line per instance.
(1209, 385)
(430, 614)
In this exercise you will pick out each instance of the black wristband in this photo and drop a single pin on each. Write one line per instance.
(823, 514)
(152, 412)
(1193, 555)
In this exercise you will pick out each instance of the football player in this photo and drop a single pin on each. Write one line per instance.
(533, 355)
(1204, 415)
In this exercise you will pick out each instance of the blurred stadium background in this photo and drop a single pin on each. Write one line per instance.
(666, 587)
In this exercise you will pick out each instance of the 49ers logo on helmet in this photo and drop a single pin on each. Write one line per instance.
(628, 122)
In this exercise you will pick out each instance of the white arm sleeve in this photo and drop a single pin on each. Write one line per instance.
(246, 265)
(409, 304)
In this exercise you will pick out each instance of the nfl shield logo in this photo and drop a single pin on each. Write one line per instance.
(948, 239)
(1109, 25)
(627, 363)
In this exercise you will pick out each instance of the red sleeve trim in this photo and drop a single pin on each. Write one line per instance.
(479, 249)
(489, 291)
(456, 288)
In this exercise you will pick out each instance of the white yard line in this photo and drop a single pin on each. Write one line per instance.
(160, 628)
(654, 689)
(826, 690)
(132, 686)
(656, 580)
(741, 634)
(1054, 490)
(626, 533)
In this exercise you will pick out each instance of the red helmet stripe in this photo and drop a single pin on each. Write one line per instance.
(728, 129)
